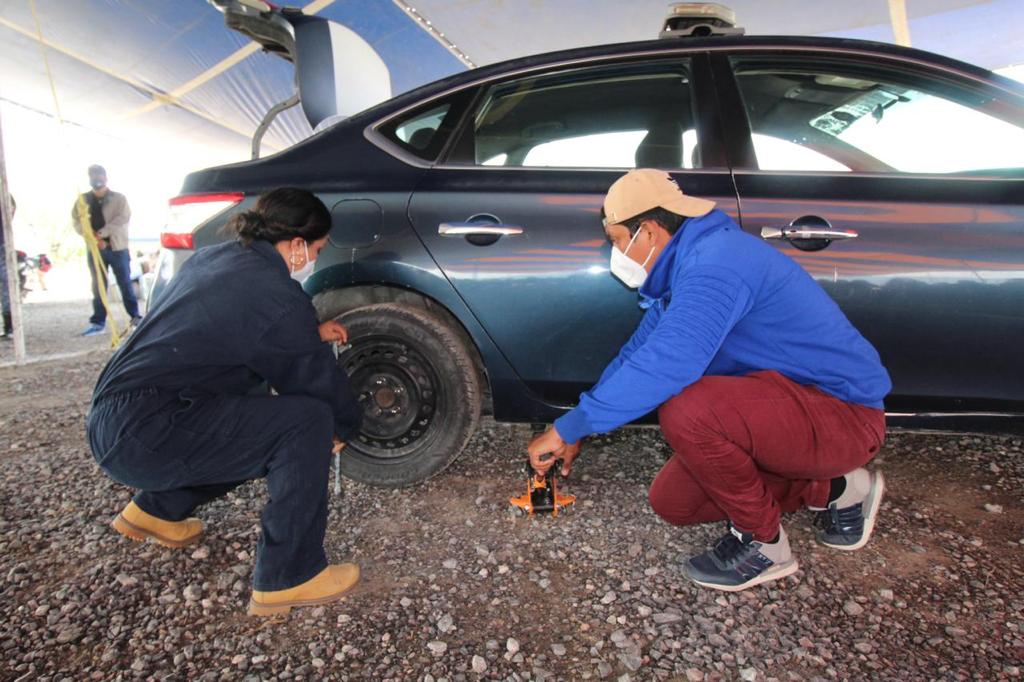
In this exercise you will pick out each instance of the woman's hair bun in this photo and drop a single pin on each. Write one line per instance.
(249, 226)
(282, 214)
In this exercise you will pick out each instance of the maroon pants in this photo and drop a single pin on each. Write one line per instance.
(748, 448)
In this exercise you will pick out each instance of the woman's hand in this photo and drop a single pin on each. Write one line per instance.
(332, 330)
(337, 447)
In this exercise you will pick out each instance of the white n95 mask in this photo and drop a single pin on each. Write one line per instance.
(306, 270)
(631, 273)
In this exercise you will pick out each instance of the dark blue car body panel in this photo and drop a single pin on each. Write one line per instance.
(935, 280)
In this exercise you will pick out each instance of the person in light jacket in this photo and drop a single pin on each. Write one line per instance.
(109, 215)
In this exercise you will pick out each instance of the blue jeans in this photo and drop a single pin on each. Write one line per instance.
(118, 261)
(184, 448)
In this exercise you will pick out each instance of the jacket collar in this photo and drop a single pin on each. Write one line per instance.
(267, 250)
(658, 284)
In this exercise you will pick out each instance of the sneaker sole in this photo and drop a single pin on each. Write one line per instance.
(773, 573)
(283, 608)
(872, 503)
(138, 534)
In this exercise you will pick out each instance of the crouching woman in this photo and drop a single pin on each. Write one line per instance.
(175, 414)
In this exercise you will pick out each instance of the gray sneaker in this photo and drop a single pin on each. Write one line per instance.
(738, 561)
(849, 527)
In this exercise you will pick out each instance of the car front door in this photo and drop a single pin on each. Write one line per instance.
(513, 215)
(901, 190)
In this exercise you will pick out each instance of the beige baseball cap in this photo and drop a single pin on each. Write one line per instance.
(642, 189)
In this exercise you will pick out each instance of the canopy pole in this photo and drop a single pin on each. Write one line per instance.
(900, 25)
(268, 118)
(11, 256)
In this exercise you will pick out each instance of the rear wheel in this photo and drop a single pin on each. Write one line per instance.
(419, 391)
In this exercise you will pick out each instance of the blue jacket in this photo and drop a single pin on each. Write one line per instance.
(722, 302)
(231, 319)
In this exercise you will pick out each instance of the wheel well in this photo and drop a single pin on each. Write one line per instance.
(337, 301)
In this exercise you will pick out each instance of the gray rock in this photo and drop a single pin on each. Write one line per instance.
(717, 641)
(437, 647)
(558, 649)
(126, 580)
(479, 664)
(512, 644)
(69, 634)
(853, 608)
(631, 661)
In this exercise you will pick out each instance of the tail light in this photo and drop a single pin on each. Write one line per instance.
(189, 211)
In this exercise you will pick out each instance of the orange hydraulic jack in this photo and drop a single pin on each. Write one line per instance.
(542, 496)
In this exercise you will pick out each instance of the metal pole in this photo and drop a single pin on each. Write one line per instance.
(900, 25)
(337, 458)
(13, 284)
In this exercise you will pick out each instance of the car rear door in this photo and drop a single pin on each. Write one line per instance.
(512, 215)
(900, 188)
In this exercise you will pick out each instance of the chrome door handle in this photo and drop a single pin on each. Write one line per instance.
(469, 229)
(788, 232)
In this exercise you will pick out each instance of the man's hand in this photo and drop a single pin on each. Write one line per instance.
(551, 443)
(569, 453)
(337, 447)
(332, 330)
(102, 243)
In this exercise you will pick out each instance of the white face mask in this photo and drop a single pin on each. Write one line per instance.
(306, 270)
(628, 270)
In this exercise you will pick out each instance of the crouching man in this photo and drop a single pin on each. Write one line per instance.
(769, 397)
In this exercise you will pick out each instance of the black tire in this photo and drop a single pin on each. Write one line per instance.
(420, 392)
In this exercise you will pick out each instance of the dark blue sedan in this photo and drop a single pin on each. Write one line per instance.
(468, 260)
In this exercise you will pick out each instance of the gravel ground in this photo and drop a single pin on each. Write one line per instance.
(455, 588)
(52, 328)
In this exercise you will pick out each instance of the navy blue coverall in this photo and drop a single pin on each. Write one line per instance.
(174, 413)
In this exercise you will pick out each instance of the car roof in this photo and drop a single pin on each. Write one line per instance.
(683, 45)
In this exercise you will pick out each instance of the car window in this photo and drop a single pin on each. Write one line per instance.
(775, 153)
(425, 130)
(803, 116)
(418, 131)
(608, 117)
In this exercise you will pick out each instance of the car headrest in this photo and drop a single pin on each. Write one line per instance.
(421, 138)
(662, 147)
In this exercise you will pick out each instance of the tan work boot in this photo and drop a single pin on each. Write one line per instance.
(328, 585)
(135, 524)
